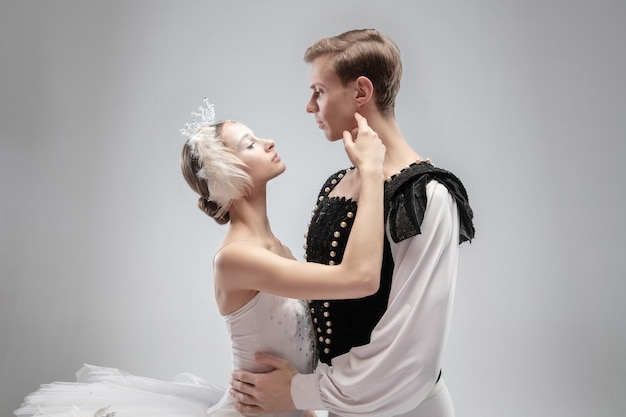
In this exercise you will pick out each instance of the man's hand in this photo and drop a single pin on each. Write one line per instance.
(264, 393)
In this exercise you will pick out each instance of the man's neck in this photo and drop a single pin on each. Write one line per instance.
(398, 153)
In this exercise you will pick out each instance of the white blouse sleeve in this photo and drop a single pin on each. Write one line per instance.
(395, 372)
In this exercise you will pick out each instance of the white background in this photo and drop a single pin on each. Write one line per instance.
(105, 258)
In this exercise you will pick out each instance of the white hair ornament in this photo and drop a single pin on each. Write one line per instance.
(206, 115)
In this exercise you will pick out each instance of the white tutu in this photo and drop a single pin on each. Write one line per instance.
(108, 392)
(267, 323)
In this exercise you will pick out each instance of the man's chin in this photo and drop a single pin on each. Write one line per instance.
(332, 136)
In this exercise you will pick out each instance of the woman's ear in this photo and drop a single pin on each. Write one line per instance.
(364, 90)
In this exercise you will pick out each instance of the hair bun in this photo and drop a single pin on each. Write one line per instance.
(212, 209)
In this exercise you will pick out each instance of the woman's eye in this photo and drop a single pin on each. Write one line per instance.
(250, 146)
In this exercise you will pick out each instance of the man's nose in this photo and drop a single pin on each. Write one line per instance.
(310, 107)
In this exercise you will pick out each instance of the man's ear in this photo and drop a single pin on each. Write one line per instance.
(364, 90)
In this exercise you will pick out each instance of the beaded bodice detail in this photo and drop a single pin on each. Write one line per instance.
(341, 324)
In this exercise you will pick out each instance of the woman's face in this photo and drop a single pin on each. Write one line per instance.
(261, 160)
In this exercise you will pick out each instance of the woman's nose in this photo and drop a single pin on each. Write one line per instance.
(269, 145)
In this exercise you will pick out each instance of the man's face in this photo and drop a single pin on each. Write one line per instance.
(332, 103)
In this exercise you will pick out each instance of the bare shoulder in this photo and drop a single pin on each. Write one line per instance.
(248, 256)
(237, 265)
(235, 252)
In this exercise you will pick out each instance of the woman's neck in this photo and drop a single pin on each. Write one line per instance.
(248, 218)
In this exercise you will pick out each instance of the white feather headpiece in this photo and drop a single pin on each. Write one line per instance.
(219, 167)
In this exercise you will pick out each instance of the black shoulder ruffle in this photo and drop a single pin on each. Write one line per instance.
(405, 201)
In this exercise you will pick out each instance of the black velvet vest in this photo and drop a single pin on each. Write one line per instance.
(343, 324)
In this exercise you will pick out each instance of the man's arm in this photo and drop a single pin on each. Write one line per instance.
(398, 368)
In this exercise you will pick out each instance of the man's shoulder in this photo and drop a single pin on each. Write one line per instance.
(407, 196)
(422, 173)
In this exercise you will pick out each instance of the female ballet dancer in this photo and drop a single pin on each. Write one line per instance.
(259, 286)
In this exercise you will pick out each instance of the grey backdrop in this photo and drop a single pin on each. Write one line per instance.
(105, 258)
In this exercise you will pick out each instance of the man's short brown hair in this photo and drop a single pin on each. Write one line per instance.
(368, 53)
